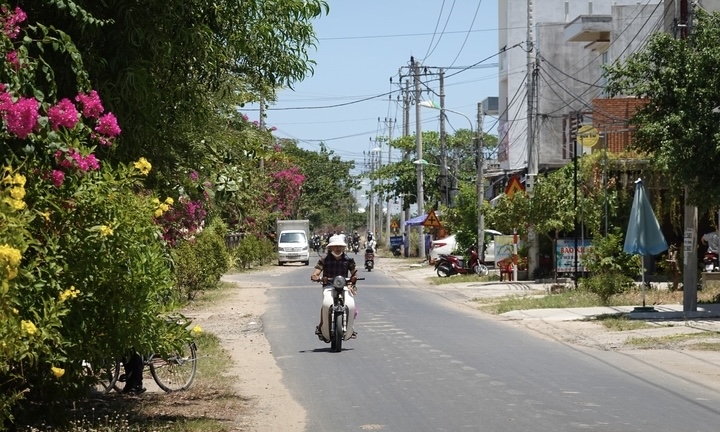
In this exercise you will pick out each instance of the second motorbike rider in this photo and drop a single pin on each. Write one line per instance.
(335, 263)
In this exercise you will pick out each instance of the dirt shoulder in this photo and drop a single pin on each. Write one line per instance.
(236, 320)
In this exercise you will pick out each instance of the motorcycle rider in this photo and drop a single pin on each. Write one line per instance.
(712, 241)
(335, 263)
(355, 239)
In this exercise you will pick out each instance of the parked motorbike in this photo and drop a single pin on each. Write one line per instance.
(448, 265)
(710, 262)
(395, 251)
(339, 316)
(369, 259)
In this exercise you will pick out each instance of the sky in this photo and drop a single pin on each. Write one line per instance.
(361, 46)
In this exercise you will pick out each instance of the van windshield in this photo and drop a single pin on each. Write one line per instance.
(292, 238)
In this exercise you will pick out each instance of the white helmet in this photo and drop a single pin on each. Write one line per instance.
(336, 240)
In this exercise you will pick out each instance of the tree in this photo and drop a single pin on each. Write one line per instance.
(680, 79)
(327, 193)
(170, 73)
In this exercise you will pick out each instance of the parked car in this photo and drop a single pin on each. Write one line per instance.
(448, 245)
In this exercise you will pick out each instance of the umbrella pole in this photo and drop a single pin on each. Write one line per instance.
(642, 274)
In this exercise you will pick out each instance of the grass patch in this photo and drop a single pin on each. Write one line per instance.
(580, 298)
(621, 323)
(462, 278)
(671, 340)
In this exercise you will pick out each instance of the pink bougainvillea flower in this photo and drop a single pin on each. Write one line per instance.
(92, 107)
(63, 114)
(12, 58)
(107, 125)
(57, 177)
(74, 159)
(194, 176)
(11, 20)
(22, 116)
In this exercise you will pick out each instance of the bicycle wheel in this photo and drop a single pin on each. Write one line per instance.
(177, 371)
(102, 377)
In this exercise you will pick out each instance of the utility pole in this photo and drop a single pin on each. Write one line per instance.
(532, 151)
(262, 128)
(690, 276)
(405, 212)
(419, 150)
(444, 199)
(389, 122)
(480, 181)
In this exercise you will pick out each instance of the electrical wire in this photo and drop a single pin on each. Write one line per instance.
(467, 34)
(437, 23)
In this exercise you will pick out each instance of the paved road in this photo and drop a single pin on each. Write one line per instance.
(424, 362)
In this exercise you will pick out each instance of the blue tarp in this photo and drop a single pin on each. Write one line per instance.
(416, 221)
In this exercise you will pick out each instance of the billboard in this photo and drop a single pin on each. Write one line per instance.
(565, 254)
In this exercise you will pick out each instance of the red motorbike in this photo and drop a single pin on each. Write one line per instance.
(710, 262)
(448, 265)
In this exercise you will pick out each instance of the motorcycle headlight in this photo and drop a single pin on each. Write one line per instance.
(338, 282)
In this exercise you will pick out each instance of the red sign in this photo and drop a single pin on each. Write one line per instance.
(513, 186)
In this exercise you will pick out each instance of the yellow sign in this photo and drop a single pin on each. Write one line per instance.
(513, 186)
(431, 220)
(394, 224)
(588, 136)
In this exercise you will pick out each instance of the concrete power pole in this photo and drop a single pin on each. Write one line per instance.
(262, 127)
(690, 276)
(444, 199)
(389, 122)
(419, 150)
(405, 212)
(480, 181)
(532, 151)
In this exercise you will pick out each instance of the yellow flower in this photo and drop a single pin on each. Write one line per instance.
(28, 327)
(196, 330)
(105, 231)
(69, 293)
(10, 255)
(46, 216)
(15, 311)
(143, 165)
(164, 207)
(17, 193)
(169, 201)
(158, 213)
(19, 180)
(156, 201)
(15, 204)
(11, 273)
(58, 372)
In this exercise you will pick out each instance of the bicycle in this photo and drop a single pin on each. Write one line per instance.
(171, 373)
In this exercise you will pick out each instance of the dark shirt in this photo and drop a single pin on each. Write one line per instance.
(331, 267)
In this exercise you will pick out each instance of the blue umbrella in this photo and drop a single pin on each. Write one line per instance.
(643, 236)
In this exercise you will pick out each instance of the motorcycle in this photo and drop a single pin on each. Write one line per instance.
(369, 259)
(338, 316)
(448, 265)
(710, 262)
(395, 251)
(356, 247)
(316, 244)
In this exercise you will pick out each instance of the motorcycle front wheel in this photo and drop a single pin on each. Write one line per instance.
(338, 336)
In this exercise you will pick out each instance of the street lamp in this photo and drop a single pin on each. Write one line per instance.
(480, 175)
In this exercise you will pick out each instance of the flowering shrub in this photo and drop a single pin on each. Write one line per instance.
(181, 222)
(83, 275)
